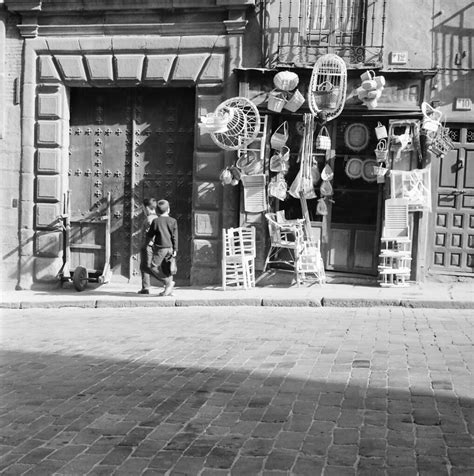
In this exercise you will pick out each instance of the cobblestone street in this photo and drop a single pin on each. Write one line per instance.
(237, 390)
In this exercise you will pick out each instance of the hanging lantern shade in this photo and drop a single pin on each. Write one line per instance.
(328, 85)
(286, 80)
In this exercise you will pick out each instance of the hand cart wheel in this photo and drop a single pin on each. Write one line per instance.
(80, 278)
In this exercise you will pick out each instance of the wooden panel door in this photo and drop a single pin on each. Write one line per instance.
(99, 127)
(163, 163)
(453, 227)
(134, 143)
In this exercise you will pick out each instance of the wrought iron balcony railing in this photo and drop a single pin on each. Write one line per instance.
(297, 32)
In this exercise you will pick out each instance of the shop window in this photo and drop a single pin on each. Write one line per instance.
(334, 22)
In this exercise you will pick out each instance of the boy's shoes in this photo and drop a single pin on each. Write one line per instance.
(144, 291)
(168, 289)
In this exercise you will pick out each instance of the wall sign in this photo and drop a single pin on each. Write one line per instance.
(463, 104)
(399, 57)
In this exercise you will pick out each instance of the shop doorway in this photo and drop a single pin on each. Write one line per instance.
(352, 228)
(453, 199)
(350, 232)
(133, 143)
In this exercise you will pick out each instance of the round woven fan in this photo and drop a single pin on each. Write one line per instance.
(243, 125)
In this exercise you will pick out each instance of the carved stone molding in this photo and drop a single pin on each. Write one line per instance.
(23, 6)
(202, 68)
(59, 6)
(32, 12)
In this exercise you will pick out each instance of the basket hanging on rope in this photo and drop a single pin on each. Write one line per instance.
(327, 87)
(242, 127)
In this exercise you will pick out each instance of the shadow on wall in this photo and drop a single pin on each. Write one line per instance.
(449, 87)
(452, 40)
(57, 406)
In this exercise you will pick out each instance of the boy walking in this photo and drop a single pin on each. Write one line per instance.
(163, 237)
(146, 255)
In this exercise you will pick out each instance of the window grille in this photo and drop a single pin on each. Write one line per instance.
(334, 21)
(308, 29)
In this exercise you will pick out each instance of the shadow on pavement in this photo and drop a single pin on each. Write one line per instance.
(78, 414)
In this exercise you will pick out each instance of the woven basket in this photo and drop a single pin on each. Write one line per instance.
(276, 101)
(326, 95)
(381, 151)
(295, 102)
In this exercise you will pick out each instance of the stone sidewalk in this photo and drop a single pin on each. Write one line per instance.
(237, 391)
(458, 295)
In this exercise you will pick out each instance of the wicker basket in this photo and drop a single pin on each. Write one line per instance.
(381, 151)
(326, 95)
(276, 101)
(295, 102)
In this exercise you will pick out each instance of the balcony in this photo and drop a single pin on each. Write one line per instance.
(297, 32)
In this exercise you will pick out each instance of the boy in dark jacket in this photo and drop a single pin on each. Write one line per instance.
(163, 236)
(146, 255)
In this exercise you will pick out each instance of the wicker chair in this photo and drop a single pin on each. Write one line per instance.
(287, 236)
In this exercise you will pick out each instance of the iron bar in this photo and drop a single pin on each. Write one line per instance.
(363, 21)
(373, 24)
(351, 23)
(383, 27)
(263, 23)
(279, 31)
(290, 26)
(300, 27)
(320, 19)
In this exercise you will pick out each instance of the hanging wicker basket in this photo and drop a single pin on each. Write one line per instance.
(295, 102)
(381, 151)
(286, 80)
(276, 101)
(326, 95)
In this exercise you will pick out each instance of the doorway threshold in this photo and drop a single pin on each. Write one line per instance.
(285, 277)
(338, 277)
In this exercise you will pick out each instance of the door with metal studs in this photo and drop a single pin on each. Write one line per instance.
(135, 144)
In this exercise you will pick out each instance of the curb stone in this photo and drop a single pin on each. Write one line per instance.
(433, 304)
(219, 302)
(267, 302)
(116, 303)
(291, 302)
(359, 302)
(57, 304)
(10, 305)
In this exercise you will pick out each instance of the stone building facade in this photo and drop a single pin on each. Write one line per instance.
(105, 96)
(53, 51)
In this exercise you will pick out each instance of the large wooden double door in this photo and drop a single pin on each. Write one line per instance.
(453, 193)
(135, 144)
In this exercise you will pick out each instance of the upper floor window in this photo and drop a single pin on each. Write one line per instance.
(334, 22)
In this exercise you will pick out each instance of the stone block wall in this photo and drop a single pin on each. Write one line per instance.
(10, 149)
(47, 57)
(51, 67)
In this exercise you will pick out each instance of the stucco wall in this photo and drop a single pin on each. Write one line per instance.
(407, 28)
(453, 41)
(10, 148)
